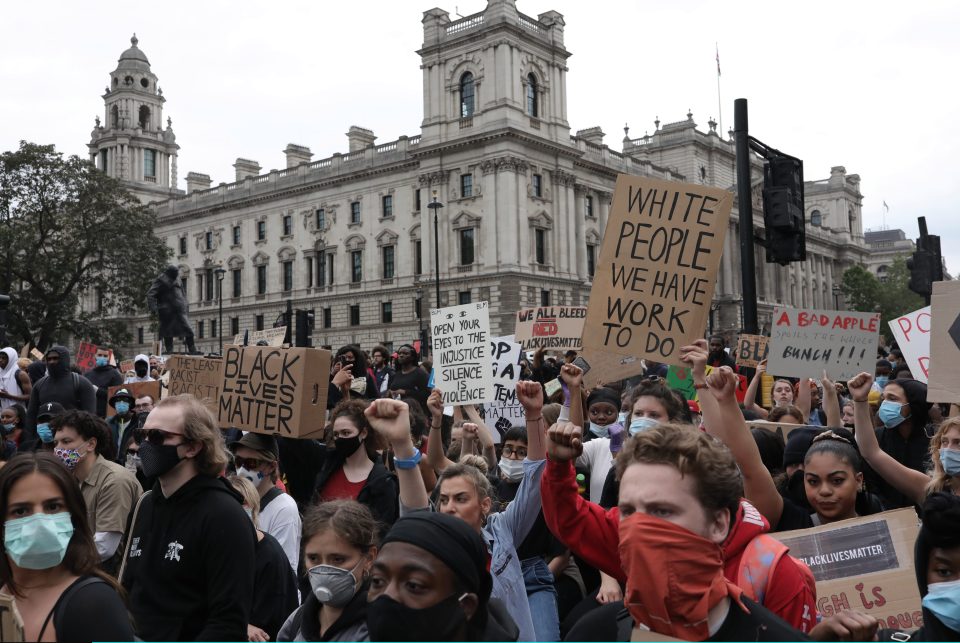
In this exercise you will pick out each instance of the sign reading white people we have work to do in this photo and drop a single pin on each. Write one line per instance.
(461, 353)
(805, 343)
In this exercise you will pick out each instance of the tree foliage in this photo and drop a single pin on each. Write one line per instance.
(70, 234)
(891, 298)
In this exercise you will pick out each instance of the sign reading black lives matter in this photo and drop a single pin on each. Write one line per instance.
(804, 343)
(656, 274)
(461, 353)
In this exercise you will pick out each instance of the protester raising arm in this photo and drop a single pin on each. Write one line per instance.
(484, 435)
(831, 401)
(803, 398)
(572, 376)
(907, 481)
(390, 418)
(750, 397)
(436, 457)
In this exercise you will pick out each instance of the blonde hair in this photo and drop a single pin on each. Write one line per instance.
(250, 496)
(472, 475)
(474, 460)
(200, 426)
(939, 480)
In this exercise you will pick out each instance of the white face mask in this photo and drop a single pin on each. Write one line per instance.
(253, 476)
(512, 470)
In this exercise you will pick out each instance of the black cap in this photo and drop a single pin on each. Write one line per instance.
(50, 409)
(266, 445)
(121, 394)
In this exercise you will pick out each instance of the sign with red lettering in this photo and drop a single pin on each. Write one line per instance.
(804, 343)
(556, 327)
(944, 374)
(85, 359)
(912, 332)
(863, 564)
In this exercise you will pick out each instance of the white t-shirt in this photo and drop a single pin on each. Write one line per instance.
(281, 519)
(596, 457)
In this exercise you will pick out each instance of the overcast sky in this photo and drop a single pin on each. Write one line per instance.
(867, 85)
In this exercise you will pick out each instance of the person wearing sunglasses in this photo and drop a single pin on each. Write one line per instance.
(188, 567)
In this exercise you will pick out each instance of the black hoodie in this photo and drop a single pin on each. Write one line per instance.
(190, 564)
(912, 451)
(58, 385)
(103, 377)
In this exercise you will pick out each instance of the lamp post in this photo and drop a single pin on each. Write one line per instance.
(435, 206)
(420, 321)
(220, 272)
(837, 291)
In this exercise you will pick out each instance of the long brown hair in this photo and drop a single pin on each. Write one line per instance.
(81, 558)
(353, 410)
(939, 480)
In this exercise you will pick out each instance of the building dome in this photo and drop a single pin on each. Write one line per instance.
(133, 59)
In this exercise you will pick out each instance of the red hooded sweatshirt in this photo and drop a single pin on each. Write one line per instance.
(592, 533)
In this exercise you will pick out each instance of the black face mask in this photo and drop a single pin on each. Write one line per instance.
(388, 620)
(141, 369)
(157, 460)
(347, 446)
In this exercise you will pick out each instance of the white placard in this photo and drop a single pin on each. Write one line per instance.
(804, 343)
(504, 412)
(461, 353)
(912, 332)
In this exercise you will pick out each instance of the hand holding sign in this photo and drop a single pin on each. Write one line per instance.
(860, 387)
(391, 419)
(722, 383)
(564, 442)
(530, 396)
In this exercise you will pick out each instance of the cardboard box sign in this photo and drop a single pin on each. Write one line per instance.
(197, 376)
(273, 336)
(551, 327)
(944, 374)
(461, 353)
(11, 625)
(36, 355)
(864, 564)
(274, 391)
(751, 350)
(137, 389)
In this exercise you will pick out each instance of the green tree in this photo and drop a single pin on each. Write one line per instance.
(891, 298)
(70, 234)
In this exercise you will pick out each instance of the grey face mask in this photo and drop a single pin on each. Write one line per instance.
(333, 586)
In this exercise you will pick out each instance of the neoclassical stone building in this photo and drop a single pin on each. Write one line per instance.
(525, 201)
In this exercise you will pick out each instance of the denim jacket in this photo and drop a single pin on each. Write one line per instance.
(502, 533)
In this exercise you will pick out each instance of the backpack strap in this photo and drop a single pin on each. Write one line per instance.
(269, 497)
(757, 564)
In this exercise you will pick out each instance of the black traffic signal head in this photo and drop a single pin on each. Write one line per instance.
(921, 272)
(783, 209)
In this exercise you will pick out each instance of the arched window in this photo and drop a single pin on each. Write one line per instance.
(144, 116)
(816, 219)
(114, 116)
(467, 95)
(532, 107)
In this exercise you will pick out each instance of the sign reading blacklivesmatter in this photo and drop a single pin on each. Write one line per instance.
(552, 327)
(656, 274)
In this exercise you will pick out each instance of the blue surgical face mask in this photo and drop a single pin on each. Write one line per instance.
(943, 599)
(641, 424)
(38, 541)
(44, 432)
(101, 361)
(950, 459)
(8, 428)
(601, 431)
(889, 414)
(122, 408)
(622, 418)
(882, 380)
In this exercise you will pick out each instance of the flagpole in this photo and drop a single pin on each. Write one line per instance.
(719, 100)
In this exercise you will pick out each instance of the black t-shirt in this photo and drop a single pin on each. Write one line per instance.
(414, 384)
(793, 517)
(612, 622)
(274, 589)
(72, 615)
(540, 542)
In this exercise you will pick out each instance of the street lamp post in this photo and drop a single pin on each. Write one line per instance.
(435, 206)
(837, 291)
(420, 321)
(220, 272)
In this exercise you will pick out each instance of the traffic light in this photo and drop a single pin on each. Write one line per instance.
(304, 328)
(783, 210)
(921, 267)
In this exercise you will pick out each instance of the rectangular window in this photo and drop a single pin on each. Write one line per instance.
(199, 286)
(208, 240)
(103, 163)
(388, 206)
(321, 221)
(258, 322)
(463, 297)
(418, 258)
(287, 225)
(386, 312)
(356, 266)
(213, 328)
(466, 185)
(261, 280)
(327, 317)
(200, 334)
(209, 285)
(466, 246)
(183, 245)
(322, 269)
(418, 306)
(261, 230)
(544, 297)
(416, 200)
(388, 263)
(591, 259)
(183, 286)
(286, 269)
(309, 272)
(540, 236)
(236, 235)
(234, 326)
(355, 212)
(149, 164)
(355, 315)
(588, 206)
(140, 335)
(329, 268)
(537, 185)
(237, 282)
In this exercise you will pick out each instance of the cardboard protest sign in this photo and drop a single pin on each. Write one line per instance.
(656, 274)
(11, 624)
(556, 327)
(36, 355)
(85, 357)
(126, 366)
(912, 332)
(461, 353)
(944, 373)
(196, 376)
(274, 391)
(782, 429)
(751, 350)
(865, 564)
(504, 411)
(137, 389)
(273, 337)
(804, 343)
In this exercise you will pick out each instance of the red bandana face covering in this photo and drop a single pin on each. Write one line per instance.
(674, 577)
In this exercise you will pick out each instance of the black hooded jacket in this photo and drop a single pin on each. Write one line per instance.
(191, 564)
(912, 451)
(103, 377)
(59, 385)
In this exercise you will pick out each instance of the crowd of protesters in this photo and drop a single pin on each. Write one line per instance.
(606, 513)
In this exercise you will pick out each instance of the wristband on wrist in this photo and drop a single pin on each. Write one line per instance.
(700, 387)
(856, 400)
(536, 419)
(408, 463)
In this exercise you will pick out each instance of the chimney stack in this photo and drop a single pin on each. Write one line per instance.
(245, 168)
(360, 138)
(197, 181)
(297, 154)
